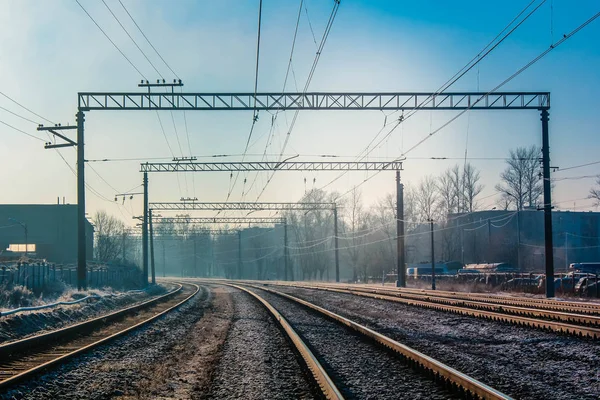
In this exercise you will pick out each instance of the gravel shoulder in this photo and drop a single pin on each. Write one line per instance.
(361, 369)
(521, 362)
(21, 325)
(257, 362)
(137, 365)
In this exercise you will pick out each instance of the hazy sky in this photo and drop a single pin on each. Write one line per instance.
(51, 49)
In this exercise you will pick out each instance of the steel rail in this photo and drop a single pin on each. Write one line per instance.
(40, 340)
(563, 316)
(323, 380)
(558, 327)
(582, 307)
(468, 387)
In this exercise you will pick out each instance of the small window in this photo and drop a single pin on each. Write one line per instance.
(20, 248)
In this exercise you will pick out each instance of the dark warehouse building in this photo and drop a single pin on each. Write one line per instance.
(51, 231)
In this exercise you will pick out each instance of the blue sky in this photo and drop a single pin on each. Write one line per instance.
(373, 46)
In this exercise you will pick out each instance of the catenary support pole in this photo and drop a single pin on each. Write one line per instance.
(164, 259)
(432, 257)
(285, 250)
(400, 270)
(145, 233)
(81, 231)
(239, 271)
(549, 246)
(195, 256)
(335, 239)
(152, 249)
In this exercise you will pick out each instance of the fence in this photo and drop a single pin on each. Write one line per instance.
(36, 276)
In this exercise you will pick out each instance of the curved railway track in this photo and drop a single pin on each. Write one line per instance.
(451, 381)
(22, 359)
(580, 325)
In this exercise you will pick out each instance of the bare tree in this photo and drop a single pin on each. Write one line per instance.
(109, 236)
(520, 180)
(447, 192)
(595, 192)
(355, 224)
(471, 187)
(426, 197)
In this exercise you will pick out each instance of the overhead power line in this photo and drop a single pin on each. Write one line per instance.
(148, 40)
(110, 40)
(132, 39)
(517, 73)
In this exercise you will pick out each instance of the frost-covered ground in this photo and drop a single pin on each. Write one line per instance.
(17, 326)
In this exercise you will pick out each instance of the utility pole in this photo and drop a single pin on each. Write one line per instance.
(335, 238)
(432, 256)
(401, 260)
(549, 246)
(239, 271)
(518, 240)
(152, 248)
(123, 246)
(285, 249)
(195, 257)
(164, 260)
(566, 251)
(145, 233)
(81, 220)
(489, 252)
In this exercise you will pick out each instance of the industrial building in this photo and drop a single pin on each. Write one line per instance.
(49, 230)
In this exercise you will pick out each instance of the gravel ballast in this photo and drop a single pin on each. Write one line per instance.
(521, 362)
(128, 367)
(257, 361)
(361, 369)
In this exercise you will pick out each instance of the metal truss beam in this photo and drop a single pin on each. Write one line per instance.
(270, 166)
(222, 220)
(89, 101)
(248, 206)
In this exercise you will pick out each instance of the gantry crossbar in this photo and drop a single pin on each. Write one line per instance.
(89, 101)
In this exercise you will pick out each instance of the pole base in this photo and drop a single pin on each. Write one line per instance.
(400, 284)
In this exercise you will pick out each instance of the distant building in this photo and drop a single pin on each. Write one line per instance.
(51, 231)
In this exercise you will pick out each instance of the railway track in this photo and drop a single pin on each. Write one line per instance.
(580, 325)
(346, 358)
(22, 359)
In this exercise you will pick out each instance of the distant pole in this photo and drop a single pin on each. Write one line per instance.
(489, 252)
(285, 249)
(164, 259)
(152, 248)
(549, 246)
(145, 233)
(239, 271)
(518, 240)
(81, 231)
(335, 238)
(432, 256)
(123, 246)
(401, 260)
(195, 257)
(566, 251)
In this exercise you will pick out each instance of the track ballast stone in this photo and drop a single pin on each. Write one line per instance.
(519, 361)
(360, 368)
(257, 361)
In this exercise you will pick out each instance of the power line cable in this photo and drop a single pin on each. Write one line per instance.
(110, 40)
(148, 40)
(132, 39)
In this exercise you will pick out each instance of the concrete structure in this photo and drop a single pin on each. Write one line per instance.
(51, 227)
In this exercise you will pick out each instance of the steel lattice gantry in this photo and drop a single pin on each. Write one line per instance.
(252, 206)
(223, 220)
(90, 101)
(396, 101)
(190, 166)
(239, 206)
